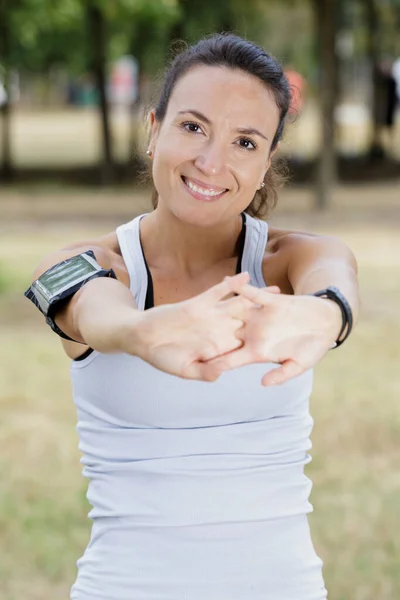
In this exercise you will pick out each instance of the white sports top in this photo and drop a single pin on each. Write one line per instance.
(198, 489)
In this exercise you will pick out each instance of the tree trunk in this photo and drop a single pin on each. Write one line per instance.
(97, 37)
(325, 12)
(6, 169)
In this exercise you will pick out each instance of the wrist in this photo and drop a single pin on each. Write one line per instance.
(130, 333)
(334, 320)
(334, 296)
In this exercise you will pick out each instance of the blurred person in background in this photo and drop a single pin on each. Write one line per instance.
(193, 332)
(396, 77)
(297, 85)
(385, 107)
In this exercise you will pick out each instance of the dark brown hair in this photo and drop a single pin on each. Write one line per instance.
(229, 50)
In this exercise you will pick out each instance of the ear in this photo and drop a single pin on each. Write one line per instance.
(271, 155)
(154, 127)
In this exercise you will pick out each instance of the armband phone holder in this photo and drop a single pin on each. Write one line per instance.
(49, 292)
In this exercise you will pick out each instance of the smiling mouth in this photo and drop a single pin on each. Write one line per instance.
(207, 192)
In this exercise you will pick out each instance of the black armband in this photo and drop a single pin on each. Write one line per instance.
(59, 283)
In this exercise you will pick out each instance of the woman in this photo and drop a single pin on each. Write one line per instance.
(197, 488)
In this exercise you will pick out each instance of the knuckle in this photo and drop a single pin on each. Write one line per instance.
(211, 350)
(208, 353)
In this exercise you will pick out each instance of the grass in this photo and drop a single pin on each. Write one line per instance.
(355, 404)
(9, 281)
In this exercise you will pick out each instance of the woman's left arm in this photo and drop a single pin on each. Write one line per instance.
(317, 262)
(296, 329)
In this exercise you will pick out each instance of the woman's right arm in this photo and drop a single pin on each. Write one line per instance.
(100, 313)
(175, 338)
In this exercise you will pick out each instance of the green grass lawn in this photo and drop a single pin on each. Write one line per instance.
(356, 458)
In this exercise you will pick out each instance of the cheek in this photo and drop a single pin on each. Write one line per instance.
(250, 173)
(169, 156)
(172, 151)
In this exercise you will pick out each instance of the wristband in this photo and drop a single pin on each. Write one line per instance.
(333, 293)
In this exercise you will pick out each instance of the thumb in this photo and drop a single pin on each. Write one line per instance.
(219, 291)
(206, 371)
(288, 369)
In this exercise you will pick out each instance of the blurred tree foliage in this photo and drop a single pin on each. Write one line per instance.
(54, 32)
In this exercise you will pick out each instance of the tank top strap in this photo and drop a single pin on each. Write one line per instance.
(128, 235)
(129, 242)
(254, 250)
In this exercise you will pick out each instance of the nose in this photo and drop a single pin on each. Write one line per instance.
(211, 159)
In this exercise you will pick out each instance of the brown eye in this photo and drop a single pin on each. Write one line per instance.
(246, 144)
(192, 127)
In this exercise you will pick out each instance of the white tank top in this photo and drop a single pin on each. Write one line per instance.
(198, 489)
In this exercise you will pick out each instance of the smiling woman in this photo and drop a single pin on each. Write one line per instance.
(193, 332)
(218, 144)
(251, 89)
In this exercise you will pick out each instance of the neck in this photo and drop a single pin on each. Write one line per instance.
(190, 250)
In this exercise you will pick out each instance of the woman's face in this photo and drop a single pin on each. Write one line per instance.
(211, 151)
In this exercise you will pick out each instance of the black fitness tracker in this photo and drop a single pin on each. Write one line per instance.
(333, 293)
(50, 291)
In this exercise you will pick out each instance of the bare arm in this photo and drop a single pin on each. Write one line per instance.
(296, 329)
(317, 262)
(98, 314)
(175, 338)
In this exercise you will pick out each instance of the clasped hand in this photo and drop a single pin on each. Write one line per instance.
(293, 331)
(209, 334)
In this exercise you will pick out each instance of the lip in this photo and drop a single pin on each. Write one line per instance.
(202, 197)
(216, 188)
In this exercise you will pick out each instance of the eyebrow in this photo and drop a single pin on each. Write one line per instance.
(243, 130)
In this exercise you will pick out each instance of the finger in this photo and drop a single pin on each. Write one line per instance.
(286, 371)
(240, 334)
(212, 351)
(205, 371)
(257, 295)
(272, 289)
(219, 291)
(237, 307)
(232, 360)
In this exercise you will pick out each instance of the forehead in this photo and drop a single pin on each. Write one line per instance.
(224, 92)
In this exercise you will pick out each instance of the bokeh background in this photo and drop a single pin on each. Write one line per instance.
(76, 79)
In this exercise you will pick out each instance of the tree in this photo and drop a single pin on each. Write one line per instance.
(33, 37)
(85, 36)
(202, 17)
(97, 53)
(6, 166)
(326, 20)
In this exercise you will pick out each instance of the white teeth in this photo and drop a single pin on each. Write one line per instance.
(202, 191)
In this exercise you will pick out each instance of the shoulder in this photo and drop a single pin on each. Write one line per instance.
(288, 247)
(292, 241)
(108, 254)
(105, 248)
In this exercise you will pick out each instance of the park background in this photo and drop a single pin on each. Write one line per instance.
(76, 78)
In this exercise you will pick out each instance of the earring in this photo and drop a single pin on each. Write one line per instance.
(262, 185)
(149, 153)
